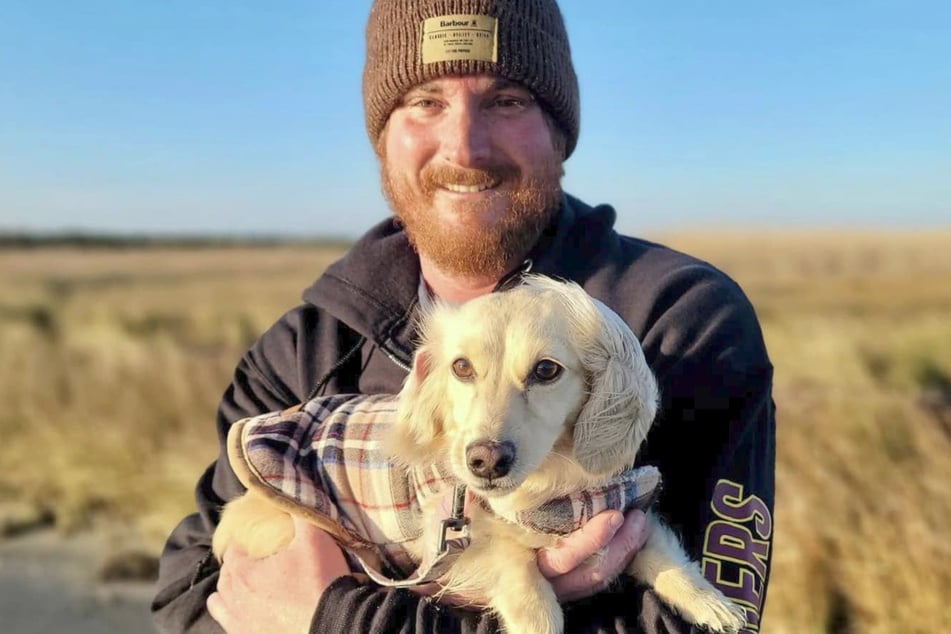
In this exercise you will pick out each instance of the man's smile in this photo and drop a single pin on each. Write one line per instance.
(468, 189)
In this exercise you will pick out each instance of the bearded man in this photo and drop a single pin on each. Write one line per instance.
(471, 131)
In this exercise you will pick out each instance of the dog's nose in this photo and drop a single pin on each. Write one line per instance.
(489, 459)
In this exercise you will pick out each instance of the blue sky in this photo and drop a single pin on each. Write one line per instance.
(233, 116)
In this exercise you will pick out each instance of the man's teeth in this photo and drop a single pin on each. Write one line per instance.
(467, 189)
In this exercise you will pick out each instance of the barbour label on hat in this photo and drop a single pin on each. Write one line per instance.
(460, 37)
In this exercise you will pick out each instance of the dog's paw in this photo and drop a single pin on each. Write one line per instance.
(533, 625)
(699, 602)
(529, 613)
(716, 614)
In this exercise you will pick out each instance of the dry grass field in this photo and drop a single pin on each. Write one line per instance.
(112, 361)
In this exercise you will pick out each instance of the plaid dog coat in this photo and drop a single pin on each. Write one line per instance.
(325, 462)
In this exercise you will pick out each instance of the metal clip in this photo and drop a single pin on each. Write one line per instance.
(457, 522)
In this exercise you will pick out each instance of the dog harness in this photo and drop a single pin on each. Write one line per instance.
(324, 462)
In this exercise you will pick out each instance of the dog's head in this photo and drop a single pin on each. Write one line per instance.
(541, 380)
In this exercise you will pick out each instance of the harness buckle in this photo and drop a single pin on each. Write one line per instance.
(457, 522)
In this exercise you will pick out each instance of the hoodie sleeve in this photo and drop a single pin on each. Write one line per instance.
(347, 607)
(714, 438)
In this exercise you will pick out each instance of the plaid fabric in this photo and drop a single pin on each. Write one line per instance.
(633, 489)
(326, 457)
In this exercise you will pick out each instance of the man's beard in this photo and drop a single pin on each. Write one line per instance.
(474, 250)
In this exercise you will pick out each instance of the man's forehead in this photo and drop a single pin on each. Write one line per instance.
(486, 83)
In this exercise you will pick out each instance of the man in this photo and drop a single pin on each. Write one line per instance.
(472, 105)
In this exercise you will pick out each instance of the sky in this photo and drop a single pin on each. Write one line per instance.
(240, 117)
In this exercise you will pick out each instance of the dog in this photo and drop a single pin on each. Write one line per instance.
(524, 396)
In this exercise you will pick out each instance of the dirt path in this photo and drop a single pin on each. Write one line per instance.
(48, 584)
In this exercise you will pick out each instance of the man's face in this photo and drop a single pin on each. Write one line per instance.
(471, 169)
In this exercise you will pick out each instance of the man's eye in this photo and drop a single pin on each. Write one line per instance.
(508, 103)
(421, 103)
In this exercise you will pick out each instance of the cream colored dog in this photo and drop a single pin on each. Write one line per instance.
(526, 396)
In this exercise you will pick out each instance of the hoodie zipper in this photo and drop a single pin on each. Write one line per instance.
(505, 282)
(392, 356)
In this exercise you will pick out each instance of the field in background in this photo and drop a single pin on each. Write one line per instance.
(112, 361)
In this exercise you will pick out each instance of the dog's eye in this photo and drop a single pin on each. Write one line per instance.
(546, 370)
(462, 369)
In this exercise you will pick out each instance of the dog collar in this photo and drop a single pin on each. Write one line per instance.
(632, 489)
(453, 540)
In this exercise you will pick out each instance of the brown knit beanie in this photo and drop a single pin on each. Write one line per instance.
(410, 42)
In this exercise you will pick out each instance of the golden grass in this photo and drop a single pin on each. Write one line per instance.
(112, 363)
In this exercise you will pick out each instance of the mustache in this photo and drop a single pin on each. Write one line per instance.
(436, 176)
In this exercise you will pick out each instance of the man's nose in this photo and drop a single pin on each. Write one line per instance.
(465, 138)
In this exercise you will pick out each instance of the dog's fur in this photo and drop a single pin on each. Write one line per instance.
(569, 432)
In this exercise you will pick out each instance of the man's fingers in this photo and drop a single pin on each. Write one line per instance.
(304, 531)
(234, 555)
(578, 546)
(216, 609)
(595, 573)
(628, 541)
(278, 592)
(313, 541)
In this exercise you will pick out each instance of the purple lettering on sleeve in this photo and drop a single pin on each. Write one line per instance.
(736, 548)
(728, 503)
(731, 542)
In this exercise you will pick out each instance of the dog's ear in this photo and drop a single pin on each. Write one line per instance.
(419, 411)
(623, 394)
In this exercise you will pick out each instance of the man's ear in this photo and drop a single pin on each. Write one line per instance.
(622, 400)
(419, 417)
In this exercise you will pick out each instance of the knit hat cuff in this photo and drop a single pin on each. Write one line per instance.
(411, 42)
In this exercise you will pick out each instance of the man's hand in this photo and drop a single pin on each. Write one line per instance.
(277, 594)
(589, 559)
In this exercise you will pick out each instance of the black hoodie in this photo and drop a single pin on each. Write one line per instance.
(714, 439)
